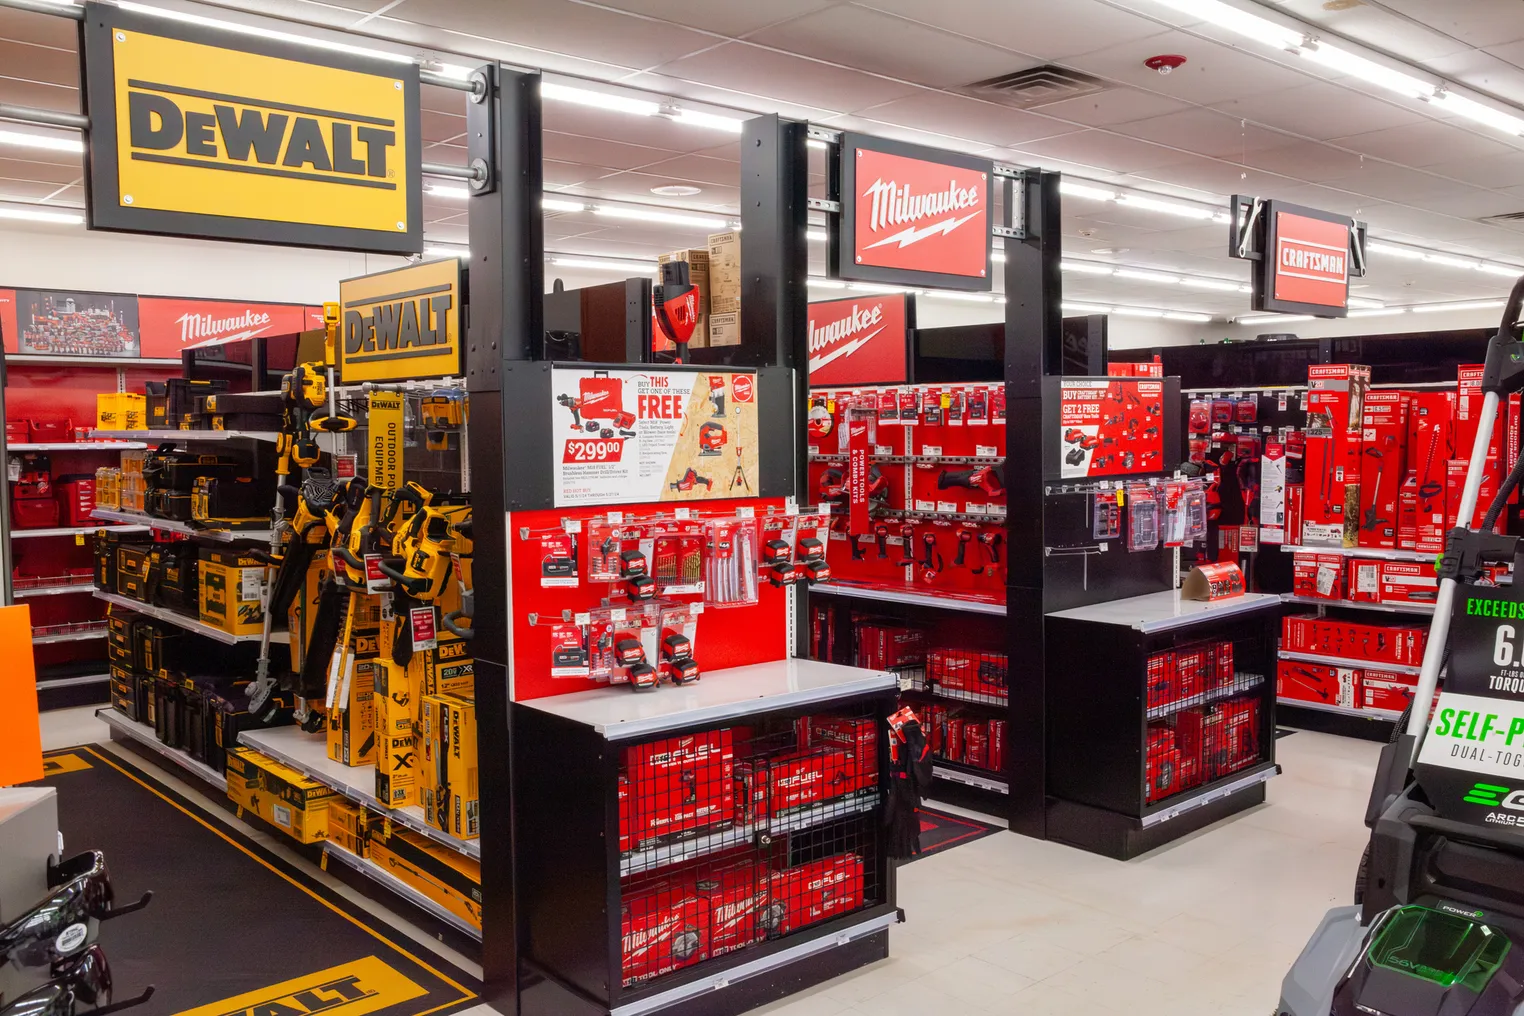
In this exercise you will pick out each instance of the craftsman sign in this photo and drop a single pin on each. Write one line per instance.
(1305, 261)
(196, 132)
(863, 341)
(913, 215)
(385, 434)
(401, 324)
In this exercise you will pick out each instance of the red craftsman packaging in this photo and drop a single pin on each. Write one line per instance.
(739, 913)
(1407, 513)
(1382, 689)
(1401, 645)
(1318, 575)
(1455, 483)
(1364, 581)
(663, 928)
(1383, 457)
(1335, 407)
(681, 783)
(816, 891)
(1431, 446)
(1294, 512)
(1408, 582)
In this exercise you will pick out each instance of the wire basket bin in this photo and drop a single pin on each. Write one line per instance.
(737, 836)
(967, 737)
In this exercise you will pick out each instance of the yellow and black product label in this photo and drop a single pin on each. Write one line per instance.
(385, 437)
(350, 989)
(224, 136)
(397, 771)
(401, 324)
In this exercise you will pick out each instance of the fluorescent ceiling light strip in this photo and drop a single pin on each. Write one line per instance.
(1437, 308)
(1360, 303)
(1081, 190)
(1235, 20)
(694, 118)
(948, 294)
(1475, 111)
(1509, 271)
(598, 100)
(444, 190)
(1167, 207)
(1384, 312)
(1374, 247)
(1216, 285)
(1369, 71)
(665, 218)
(1176, 315)
(1137, 312)
(819, 283)
(873, 287)
(1137, 276)
(265, 33)
(1450, 260)
(604, 264)
(49, 142)
(447, 252)
(1279, 319)
(27, 215)
(1085, 268)
(1085, 308)
(562, 205)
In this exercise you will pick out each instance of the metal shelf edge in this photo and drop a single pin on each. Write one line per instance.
(144, 735)
(1349, 663)
(371, 870)
(992, 785)
(917, 599)
(1383, 715)
(1260, 774)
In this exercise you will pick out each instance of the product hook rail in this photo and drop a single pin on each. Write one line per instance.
(620, 518)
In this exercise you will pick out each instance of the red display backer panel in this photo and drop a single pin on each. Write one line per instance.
(1113, 427)
(54, 394)
(861, 341)
(731, 637)
(912, 215)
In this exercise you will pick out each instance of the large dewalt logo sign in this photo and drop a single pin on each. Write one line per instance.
(400, 324)
(223, 137)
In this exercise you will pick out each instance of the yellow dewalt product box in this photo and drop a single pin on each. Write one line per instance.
(349, 826)
(231, 590)
(459, 798)
(303, 612)
(448, 669)
(120, 411)
(280, 795)
(397, 705)
(352, 731)
(449, 878)
(433, 720)
(397, 771)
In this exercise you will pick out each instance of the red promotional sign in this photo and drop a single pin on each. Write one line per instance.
(1112, 427)
(169, 325)
(861, 341)
(1311, 260)
(914, 215)
(8, 319)
(857, 478)
(741, 388)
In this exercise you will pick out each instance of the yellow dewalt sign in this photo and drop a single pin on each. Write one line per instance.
(350, 989)
(215, 135)
(385, 425)
(401, 324)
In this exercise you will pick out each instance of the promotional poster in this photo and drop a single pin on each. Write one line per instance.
(653, 435)
(59, 323)
(1111, 427)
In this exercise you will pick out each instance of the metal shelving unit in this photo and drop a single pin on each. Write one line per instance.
(143, 734)
(374, 871)
(1241, 684)
(72, 681)
(31, 534)
(1389, 608)
(60, 589)
(939, 601)
(188, 435)
(1372, 552)
(962, 774)
(1344, 661)
(1387, 715)
(84, 635)
(76, 446)
(181, 620)
(183, 528)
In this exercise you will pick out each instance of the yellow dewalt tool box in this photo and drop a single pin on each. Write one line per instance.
(121, 411)
(231, 589)
(449, 878)
(397, 771)
(280, 795)
(352, 731)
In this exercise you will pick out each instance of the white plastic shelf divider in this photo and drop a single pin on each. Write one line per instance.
(28, 534)
(144, 735)
(308, 755)
(1375, 552)
(374, 871)
(906, 596)
(160, 436)
(1389, 608)
(58, 590)
(183, 528)
(1327, 707)
(75, 446)
(182, 621)
(1344, 661)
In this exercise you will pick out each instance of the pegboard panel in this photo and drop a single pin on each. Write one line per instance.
(724, 637)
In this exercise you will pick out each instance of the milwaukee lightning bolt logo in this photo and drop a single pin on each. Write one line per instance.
(894, 204)
(858, 341)
(920, 215)
(854, 327)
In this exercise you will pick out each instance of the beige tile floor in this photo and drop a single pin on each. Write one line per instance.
(1204, 927)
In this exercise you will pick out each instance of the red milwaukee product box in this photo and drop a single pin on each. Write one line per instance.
(968, 670)
(1222, 672)
(1318, 575)
(1381, 689)
(997, 745)
(1335, 406)
(1190, 672)
(626, 819)
(1240, 744)
(976, 745)
(77, 497)
(663, 928)
(739, 912)
(1455, 484)
(1408, 582)
(1160, 679)
(1383, 458)
(859, 738)
(952, 739)
(886, 646)
(681, 783)
(816, 891)
(1162, 777)
(794, 780)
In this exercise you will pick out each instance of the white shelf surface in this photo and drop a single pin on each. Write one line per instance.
(618, 713)
(1390, 716)
(1372, 552)
(372, 870)
(1344, 661)
(308, 754)
(144, 735)
(70, 636)
(27, 534)
(75, 446)
(945, 602)
(184, 621)
(184, 528)
(1161, 611)
(59, 360)
(970, 780)
(58, 590)
(72, 681)
(187, 435)
(1389, 608)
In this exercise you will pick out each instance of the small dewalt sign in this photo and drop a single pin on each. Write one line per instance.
(401, 324)
(350, 989)
(201, 133)
(385, 426)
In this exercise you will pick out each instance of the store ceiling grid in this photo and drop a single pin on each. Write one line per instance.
(1235, 118)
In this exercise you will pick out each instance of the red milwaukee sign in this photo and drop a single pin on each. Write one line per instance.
(170, 325)
(1311, 260)
(859, 341)
(914, 215)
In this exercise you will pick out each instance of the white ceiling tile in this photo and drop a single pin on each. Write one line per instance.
(1100, 149)
(1370, 24)
(1487, 72)
(1474, 22)
(697, 170)
(1213, 179)
(594, 151)
(1029, 26)
(763, 72)
(966, 117)
(1500, 171)
(1212, 73)
(1320, 111)
(1475, 204)
(1395, 183)
(882, 44)
(1111, 107)
(1305, 160)
(733, 19)
(1423, 144)
(1205, 131)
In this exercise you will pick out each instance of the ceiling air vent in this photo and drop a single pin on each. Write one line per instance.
(1035, 86)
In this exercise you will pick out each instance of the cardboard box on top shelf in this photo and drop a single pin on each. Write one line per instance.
(725, 329)
(724, 273)
(698, 274)
(1383, 463)
(1335, 412)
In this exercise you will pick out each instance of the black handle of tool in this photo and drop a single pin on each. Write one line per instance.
(964, 538)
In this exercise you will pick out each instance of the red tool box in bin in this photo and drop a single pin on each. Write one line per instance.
(51, 431)
(77, 496)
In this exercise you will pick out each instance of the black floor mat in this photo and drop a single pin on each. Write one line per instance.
(1281, 732)
(232, 928)
(941, 830)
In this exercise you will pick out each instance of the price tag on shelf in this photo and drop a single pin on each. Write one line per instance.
(695, 609)
(882, 449)
(615, 518)
(617, 614)
(571, 525)
(682, 513)
(79, 539)
(746, 512)
(986, 451)
(582, 619)
(931, 450)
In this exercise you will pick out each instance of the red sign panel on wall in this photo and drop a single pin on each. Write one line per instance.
(170, 325)
(863, 341)
(1311, 260)
(913, 215)
(1111, 427)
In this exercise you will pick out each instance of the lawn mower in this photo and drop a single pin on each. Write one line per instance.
(1436, 927)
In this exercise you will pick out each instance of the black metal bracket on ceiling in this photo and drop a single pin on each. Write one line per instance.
(1246, 231)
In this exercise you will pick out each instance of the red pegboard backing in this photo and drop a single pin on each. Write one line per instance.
(732, 637)
(56, 393)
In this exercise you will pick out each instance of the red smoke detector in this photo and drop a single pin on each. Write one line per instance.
(1165, 63)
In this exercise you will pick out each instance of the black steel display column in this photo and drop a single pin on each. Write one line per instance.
(506, 287)
(1033, 348)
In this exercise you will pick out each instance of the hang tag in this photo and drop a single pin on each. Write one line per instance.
(571, 525)
(345, 467)
(388, 615)
(375, 582)
(425, 636)
(251, 584)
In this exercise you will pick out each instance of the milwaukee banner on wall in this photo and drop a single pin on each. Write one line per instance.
(653, 435)
(913, 216)
(170, 324)
(861, 341)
